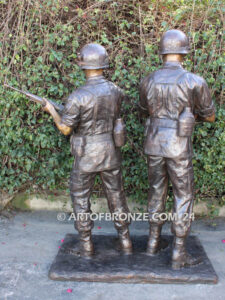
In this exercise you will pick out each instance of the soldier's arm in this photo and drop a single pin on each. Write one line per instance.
(121, 97)
(66, 130)
(204, 107)
(70, 116)
(210, 119)
(143, 107)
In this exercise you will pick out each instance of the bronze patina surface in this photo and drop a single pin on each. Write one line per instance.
(170, 97)
(110, 265)
(92, 116)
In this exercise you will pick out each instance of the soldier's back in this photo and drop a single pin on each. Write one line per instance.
(100, 102)
(170, 89)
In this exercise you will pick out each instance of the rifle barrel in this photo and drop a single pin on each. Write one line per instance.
(58, 107)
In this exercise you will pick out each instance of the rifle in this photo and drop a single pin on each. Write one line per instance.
(37, 99)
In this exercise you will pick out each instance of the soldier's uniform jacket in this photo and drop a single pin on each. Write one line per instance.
(91, 111)
(164, 94)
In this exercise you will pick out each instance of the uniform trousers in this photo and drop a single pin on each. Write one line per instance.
(180, 172)
(81, 185)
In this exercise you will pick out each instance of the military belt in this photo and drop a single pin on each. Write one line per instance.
(102, 137)
(167, 123)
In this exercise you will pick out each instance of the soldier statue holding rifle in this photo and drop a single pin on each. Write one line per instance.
(171, 96)
(91, 116)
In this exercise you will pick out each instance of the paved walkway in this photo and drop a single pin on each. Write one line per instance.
(30, 241)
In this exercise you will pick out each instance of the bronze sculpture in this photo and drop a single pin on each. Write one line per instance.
(171, 96)
(92, 116)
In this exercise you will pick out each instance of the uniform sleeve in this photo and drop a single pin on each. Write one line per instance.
(204, 106)
(121, 98)
(143, 98)
(71, 112)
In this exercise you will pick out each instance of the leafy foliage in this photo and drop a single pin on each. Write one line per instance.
(39, 42)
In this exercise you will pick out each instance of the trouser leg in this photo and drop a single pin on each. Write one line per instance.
(113, 187)
(80, 189)
(158, 186)
(182, 178)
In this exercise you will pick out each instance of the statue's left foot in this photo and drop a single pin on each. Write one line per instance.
(155, 241)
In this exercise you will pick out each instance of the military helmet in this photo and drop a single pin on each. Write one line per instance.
(93, 56)
(174, 42)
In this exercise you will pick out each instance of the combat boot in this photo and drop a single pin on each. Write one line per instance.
(155, 242)
(180, 257)
(86, 244)
(125, 241)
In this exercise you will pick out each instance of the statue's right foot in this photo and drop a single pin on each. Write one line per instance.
(185, 260)
(155, 245)
(86, 245)
(125, 241)
(180, 257)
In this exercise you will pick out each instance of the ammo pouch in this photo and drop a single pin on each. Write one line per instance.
(77, 145)
(186, 123)
(119, 133)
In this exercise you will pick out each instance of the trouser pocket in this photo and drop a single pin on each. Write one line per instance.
(78, 145)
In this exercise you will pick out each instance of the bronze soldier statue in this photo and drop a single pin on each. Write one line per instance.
(92, 117)
(171, 96)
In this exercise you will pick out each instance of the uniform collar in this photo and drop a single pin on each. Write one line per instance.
(96, 79)
(172, 65)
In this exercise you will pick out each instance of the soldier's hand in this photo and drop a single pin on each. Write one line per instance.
(47, 106)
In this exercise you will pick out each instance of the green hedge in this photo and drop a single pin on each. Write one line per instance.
(39, 42)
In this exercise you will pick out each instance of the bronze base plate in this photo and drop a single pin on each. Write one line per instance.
(109, 265)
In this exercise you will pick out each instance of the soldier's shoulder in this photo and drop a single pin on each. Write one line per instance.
(79, 93)
(114, 87)
(148, 78)
(194, 78)
(112, 84)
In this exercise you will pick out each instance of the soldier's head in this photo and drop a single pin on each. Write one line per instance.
(93, 58)
(174, 45)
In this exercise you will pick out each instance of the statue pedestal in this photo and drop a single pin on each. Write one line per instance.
(109, 265)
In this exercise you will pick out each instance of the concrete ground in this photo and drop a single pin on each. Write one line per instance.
(30, 240)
